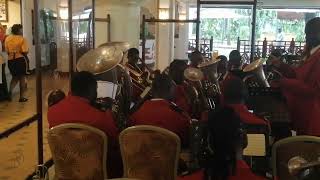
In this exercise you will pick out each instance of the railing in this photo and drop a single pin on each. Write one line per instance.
(264, 48)
(292, 48)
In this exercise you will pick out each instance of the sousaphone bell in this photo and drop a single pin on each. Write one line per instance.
(256, 68)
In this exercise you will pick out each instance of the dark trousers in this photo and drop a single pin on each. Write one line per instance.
(4, 87)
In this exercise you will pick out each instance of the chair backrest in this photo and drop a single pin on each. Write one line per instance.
(149, 153)
(78, 151)
(307, 147)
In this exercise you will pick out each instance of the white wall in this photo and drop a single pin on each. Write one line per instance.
(125, 21)
(13, 13)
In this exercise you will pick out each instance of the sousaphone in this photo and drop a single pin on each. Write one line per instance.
(256, 68)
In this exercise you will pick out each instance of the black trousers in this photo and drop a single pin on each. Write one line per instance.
(4, 87)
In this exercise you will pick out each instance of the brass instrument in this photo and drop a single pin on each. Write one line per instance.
(195, 76)
(104, 62)
(256, 68)
(297, 165)
(211, 83)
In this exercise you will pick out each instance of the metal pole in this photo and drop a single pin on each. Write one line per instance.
(144, 38)
(38, 81)
(109, 27)
(253, 35)
(198, 25)
(70, 39)
(94, 23)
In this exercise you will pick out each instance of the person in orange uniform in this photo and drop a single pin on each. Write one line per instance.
(301, 86)
(77, 108)
(228, 139)
(161, 112)
(17, 47)
(235, 94)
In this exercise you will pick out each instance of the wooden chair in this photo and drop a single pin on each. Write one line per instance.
(307, 147)
(78, 151)
(149, 153)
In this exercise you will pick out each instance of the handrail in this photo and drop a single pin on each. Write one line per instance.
(17, 127)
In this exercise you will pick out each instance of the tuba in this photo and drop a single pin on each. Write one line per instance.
(104, 63)
(196, 90)
(210, 84)
(256, 70)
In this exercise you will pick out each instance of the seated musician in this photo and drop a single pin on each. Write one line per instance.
(196, 58)
(161, 112)
(77, 108)
(301, 86)
(176, 72)
(228, 139)
(222, 67)
(235, 64)
(235, 94)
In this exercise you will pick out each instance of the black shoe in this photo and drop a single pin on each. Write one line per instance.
(23, 100)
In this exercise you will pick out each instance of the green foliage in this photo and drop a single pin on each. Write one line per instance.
(267, 23)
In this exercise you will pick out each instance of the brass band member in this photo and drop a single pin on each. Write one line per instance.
(302, 88)
(222, 67)
(228, 139)
(196, 58)
(181, 98)
(161, 112)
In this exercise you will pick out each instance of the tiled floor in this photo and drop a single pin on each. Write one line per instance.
(18, 153)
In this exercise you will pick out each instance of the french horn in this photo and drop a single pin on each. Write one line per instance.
(256, 68)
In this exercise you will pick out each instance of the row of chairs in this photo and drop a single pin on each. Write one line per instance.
(148, 152)
(80, 152)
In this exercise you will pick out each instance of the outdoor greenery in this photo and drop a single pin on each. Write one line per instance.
(267, 23)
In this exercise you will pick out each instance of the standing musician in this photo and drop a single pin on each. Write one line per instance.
(302, 87)
(161, 112)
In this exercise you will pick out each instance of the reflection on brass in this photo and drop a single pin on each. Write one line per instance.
(256, 67)
(100, 60)
(193, 74)
(208, 63)
(122, 45)
(297, 164)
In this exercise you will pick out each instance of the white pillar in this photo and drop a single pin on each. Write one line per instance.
(181, 43)
(165, 37)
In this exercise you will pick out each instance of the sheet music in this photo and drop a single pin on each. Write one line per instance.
(256, 145)
(107, 89)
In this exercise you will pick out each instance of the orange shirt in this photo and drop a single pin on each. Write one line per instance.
(15, 46)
